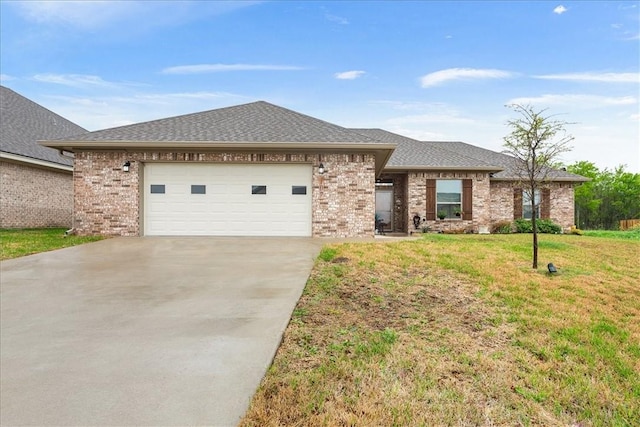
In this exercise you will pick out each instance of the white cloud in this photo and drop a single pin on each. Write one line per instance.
(101, 112)
(412, 105)
(77, 80)
(6, 77)
(82, 14)
(594, 77)
(337, 19)
(92, 15)
(442, 76)
(349, 75)
(216, 68)
(431, 119)
(559, 10)
(575, 100)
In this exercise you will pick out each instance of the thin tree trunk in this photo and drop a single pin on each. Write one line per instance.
(535, 247)
(534, 226)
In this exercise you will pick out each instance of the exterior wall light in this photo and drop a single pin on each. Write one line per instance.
(321, 169)
(126, 166)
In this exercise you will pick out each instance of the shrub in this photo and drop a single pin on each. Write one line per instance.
(544, 226)
(522, 226)
(328, 254)
(501, 227)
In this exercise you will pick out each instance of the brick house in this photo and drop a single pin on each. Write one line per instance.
(36, 182)
(262, 170)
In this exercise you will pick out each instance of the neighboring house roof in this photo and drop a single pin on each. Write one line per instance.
(506, 162)
(412, 154)
(257, 125)
(23, 123)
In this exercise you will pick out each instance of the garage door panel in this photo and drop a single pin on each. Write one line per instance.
(227, 206)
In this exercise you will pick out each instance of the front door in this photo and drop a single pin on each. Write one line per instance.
(384, 206)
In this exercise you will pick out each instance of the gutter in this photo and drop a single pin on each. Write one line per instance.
(35, 162)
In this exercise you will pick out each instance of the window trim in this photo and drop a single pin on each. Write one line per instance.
(451, 207)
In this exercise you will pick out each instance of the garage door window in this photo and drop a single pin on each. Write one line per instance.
(299, 189)
(258, 189)
(198, 189)
(157, 189)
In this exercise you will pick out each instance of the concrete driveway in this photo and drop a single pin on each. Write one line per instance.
(145, 331)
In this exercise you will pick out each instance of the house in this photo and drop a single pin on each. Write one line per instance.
(473, 187)
(262, 170)
(36, 182)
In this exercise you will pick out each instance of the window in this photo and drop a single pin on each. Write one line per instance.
(299, 189)
(198, 189)
(526, 204)
(157, 189)
(448, 198)
(258, 189)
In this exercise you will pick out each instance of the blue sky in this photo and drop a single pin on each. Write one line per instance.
(427, 70)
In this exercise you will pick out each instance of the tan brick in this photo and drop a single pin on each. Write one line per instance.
(34, 197)
(108, 200)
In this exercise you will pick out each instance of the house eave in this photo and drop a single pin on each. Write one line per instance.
(577, 180)
(418, 168)
(34, 162)
(382, 151)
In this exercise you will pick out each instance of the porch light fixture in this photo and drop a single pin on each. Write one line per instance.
(321, 169)
(126, 166)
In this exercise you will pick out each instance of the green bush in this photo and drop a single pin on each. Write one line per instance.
(502, 227)
(545, 226)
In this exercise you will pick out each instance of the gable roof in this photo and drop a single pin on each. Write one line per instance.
(23, 123)
(412, 154)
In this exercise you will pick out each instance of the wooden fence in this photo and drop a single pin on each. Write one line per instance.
(626, 224)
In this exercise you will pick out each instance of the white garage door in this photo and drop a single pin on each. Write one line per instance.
(186, 199)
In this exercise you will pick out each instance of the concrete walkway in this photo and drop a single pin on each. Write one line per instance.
(145, 331)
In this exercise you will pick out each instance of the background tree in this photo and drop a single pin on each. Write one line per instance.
(536, 141)
(609, 197)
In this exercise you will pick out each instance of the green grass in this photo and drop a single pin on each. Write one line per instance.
(459, 330)
(20, 242)
(633, 234)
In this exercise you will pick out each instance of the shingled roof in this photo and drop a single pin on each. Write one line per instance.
(23, 123)
(506, 162)
(259, 122)
(420, 155)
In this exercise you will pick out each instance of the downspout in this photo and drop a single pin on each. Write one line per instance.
(72, 230)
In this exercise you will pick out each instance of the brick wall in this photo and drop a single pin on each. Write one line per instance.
(108, 201)
(562, 205)
(417, 193)
(561, 210)
(501, 201)
(34, 197)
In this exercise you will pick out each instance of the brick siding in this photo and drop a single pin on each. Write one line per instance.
(108, 200)
(561, 210)
(417, 200)
(32, 197)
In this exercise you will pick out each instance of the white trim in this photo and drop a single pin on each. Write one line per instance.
(44, 163)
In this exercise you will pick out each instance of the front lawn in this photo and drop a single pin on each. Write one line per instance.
(459, 330)
(20, 242)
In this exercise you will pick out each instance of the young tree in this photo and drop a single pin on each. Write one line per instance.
(536, 141)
